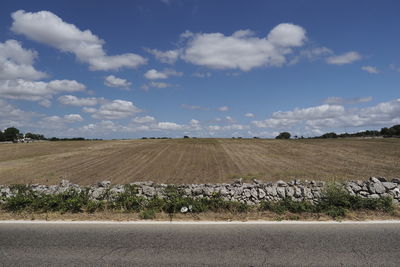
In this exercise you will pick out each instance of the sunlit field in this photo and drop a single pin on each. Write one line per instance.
(198, 160)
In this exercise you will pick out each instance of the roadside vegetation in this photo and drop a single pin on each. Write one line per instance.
(334, 202)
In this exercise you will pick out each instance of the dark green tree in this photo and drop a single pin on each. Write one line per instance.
(385, 131)
(11, 134)
(329, 135)
(283, 135)
(395, 130)
(34, 136)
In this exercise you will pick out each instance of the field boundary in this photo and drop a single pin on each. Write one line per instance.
(148, 200)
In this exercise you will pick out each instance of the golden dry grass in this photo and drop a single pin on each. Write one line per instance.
(198, 160)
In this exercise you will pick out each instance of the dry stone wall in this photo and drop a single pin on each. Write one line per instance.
(250, 193)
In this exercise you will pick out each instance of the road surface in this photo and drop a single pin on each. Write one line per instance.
(49, 244)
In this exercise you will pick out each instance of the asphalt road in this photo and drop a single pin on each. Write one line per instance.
(199, 245)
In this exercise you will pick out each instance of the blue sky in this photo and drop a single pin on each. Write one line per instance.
(127, 69)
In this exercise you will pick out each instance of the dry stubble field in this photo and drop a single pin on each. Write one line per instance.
(198, 160)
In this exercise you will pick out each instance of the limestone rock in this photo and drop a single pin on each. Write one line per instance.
(98, 193)
(105, 184)
(148, 191)
(271, 191)
(307, 193)
(389, 185)
(281, 183)
(377, 188)
(281, 192)
(247, 193)
(65, 183)
(374, 180)
(254, 193)
(223, 191)
(289, 191)
(261, 193)
(354, 187)
(297, 192)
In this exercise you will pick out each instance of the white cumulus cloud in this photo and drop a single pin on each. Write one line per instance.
(202, 74)
(334, 100)
(155, 74)
(73, 118)
(76, 101)
(345, 58)
(335, 116)
(117, 109)
(37, 91)
(370, 69)
(160, 85)
(116, 82)
(17, 62)
(89, 110)
(46, 27)
(169, 56)
(12, 116)
(144, 119)
(169, 126)
(223, 108)
(242, 50)
(230, 119)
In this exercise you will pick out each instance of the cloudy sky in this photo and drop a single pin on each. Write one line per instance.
(127, 69)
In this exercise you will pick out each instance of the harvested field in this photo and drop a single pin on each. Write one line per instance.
(198, 160)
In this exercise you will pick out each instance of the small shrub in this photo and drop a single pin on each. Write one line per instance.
(73, 201)
(274, 206)
(336, 201)
(126, 202)
(93, 206)
(294, 217)
(287, 204)
(131, 189)
(156, 204)
(238, 207)
(17, 203)
(147, 214)
(174, 205)
(336, 212)
(334, 195)
(24, 199)
(386, 204)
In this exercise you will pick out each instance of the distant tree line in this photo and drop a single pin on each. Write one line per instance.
(393, 131)
(66, 139)
(12, 134)
(156, 137)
